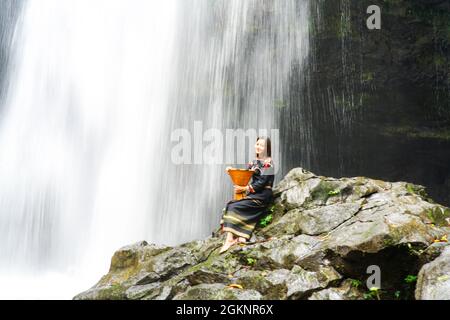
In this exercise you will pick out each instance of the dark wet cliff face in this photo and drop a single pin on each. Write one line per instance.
(376, 102)
(9, 12)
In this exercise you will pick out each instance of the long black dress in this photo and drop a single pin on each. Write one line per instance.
(241, 216)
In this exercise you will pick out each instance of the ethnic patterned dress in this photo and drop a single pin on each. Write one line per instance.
(241, 216)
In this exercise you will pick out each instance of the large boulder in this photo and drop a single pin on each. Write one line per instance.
(324, 236)
(434, 279)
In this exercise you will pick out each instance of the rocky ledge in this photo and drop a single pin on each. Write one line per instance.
(317, 243)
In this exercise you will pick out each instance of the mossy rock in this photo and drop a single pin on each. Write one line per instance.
(439, 216)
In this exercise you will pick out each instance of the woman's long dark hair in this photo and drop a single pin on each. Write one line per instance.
(268, 148)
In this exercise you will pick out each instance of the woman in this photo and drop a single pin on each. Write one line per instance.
(241, 216)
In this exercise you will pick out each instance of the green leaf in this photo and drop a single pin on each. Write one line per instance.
(410, 278)
(266, 220)
(356, 283)
(334, 192)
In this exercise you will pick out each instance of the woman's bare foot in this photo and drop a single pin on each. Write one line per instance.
(242, 240)
(227, 245)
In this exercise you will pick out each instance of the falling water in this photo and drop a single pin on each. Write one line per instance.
(235, 71)
(79, 135)
(97, 88)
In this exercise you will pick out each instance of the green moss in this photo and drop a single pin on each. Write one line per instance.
(415, 133)
(324, 190)
(417, 190)
(367, 76)
(124, 259)
(405, 230)
(430, 15)
(439, 215)
(113, 292)
(440, 61)
(355, 283)
(388, 242)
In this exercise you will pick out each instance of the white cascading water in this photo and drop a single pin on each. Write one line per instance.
(235, 73)
(79, 138)
(96, 89)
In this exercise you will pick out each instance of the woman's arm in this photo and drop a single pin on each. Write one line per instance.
(265, 180)
(264, 177)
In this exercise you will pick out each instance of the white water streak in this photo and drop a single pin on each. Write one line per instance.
(80, 131)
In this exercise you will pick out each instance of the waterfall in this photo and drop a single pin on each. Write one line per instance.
(96, 90)
(79, 133)
(235, 73)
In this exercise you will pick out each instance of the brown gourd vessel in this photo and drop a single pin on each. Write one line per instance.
(240, 177)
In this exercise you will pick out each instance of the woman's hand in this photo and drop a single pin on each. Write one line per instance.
(239, 189)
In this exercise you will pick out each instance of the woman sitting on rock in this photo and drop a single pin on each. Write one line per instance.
(241, 216)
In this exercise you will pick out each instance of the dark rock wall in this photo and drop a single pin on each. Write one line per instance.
(9, 12)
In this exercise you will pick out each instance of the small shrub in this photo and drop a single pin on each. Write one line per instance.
(410, 279)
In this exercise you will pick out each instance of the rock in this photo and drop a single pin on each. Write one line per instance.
(293, 179)
(140, 291)
(201, 292)
(301, 282)
(385, 220)
(324, 235)
(163, 294)
(285, 252)
(272, 284)
(314, 221)
(300, 193)
(217, 292)
(433, 282)
(106, 292)
(205, 276)
(346, 291)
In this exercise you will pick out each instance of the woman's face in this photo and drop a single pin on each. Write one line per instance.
(260, 147)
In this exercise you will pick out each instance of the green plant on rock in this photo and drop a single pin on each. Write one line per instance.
(418, 190)
(246, 258)
(388, 242)
(266, 220)
(397, 294)
(374, 293)
(408, 287)
(410, 189)
(250, 261)
(355, 283)
(410, 279)
(334, 192)
(324, 190)
(439, 216)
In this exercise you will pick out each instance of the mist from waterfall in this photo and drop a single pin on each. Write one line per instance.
(95, 90)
